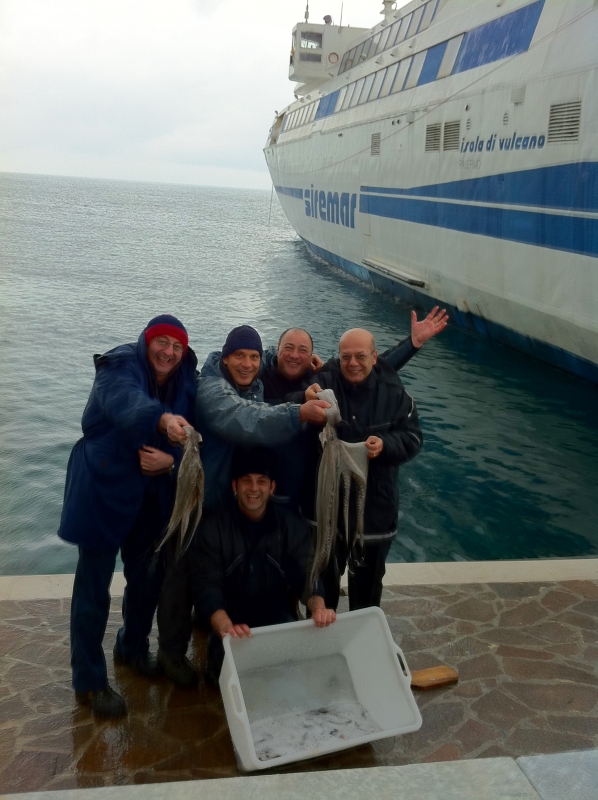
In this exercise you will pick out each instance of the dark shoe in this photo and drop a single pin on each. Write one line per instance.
(211, 676)
(178, 670)
(147, 666)
(104, 702)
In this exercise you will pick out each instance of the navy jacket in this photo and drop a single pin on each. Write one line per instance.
(104, 483)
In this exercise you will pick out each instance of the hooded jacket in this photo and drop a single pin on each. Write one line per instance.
(227, 416)
(104, 484)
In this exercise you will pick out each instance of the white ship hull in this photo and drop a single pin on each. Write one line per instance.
(503, 229)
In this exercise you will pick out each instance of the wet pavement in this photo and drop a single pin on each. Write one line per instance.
(527, 655)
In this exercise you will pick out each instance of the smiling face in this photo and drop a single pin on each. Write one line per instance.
(294, 354)
(357, 354)
(164, 353)
(253, 492)
(243, 366)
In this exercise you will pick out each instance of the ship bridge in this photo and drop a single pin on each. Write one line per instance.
(317, 51)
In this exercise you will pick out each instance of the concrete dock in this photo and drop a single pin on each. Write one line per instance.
(522, 635)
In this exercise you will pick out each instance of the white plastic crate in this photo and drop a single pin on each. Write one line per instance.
(295, 691)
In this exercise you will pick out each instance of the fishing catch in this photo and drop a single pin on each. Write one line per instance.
(186, 513)
(341, 464)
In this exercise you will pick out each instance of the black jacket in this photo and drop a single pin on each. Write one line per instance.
(252, 571)
(379, 406)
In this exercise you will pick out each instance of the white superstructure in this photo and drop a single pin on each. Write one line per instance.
(450, 153)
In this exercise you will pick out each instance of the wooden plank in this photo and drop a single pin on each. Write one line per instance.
(434, 676)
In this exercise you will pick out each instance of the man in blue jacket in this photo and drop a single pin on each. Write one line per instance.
(119, 492)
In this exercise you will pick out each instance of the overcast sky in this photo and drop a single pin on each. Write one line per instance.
(180, 91)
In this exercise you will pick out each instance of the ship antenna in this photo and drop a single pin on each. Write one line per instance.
(307, 11)
(340, 24)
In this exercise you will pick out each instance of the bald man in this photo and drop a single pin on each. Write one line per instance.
(375, 409)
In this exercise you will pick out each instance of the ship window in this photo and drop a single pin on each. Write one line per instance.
(371, 51)
(433, 133)
(499, 38)
(393, 33)
(343, 65)
(383, 40)
(404, 27)
(388, 80)
(401, 73)
(348, 96)
(564, 122)
(450, 54)
(380, 75)
(367, 86)
(416, 67)
(432, 63)
(416, 19)
(341, 97)
(312, 112)
(359, 52)
(310, 40)
(350, 57)
(310, 57)
(429, 9)
(301, 117)
(452, 134)
(357, 92)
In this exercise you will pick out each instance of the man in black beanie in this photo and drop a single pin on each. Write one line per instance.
(249, 561)
(230, 411)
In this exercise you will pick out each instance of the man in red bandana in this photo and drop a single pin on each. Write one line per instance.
(120, 487)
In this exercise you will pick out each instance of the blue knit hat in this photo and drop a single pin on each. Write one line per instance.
(242, 338)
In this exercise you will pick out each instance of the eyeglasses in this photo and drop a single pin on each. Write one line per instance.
(177, 347)
(346, 358)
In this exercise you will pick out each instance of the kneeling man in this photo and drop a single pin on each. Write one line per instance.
(249, 561)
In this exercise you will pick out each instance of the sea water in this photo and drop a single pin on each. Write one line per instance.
(509, 467)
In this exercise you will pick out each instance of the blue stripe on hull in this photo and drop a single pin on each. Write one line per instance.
(573, 187)
(556, 356)
(572, 234)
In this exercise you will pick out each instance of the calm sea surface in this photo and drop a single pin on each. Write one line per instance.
(510, 463)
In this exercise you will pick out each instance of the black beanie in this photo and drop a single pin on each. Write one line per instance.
(255, 459)
(242, 338)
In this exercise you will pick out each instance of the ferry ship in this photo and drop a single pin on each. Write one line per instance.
(449, 155)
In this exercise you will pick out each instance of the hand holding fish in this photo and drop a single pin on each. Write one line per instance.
(154, 462)
(374, 445)
(173, 426)
(435, 322)
(313, 411)
(311, 393)
(223, 624)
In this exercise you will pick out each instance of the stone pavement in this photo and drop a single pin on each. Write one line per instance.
(526, 653)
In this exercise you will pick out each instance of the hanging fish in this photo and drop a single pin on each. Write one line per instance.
(340, 463)
(186, 513)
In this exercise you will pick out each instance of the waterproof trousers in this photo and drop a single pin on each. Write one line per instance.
(90, 605)
(365, 579)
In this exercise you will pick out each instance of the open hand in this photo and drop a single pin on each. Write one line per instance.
(432, 324)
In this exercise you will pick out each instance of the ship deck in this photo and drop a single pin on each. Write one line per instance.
(522, 635)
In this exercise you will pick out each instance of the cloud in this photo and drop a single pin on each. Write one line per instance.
(147, 89)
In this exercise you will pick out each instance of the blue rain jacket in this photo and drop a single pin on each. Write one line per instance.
(228, 416)
(104, 484)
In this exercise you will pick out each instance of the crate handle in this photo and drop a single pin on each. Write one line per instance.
(235, 692)
(402, 662)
